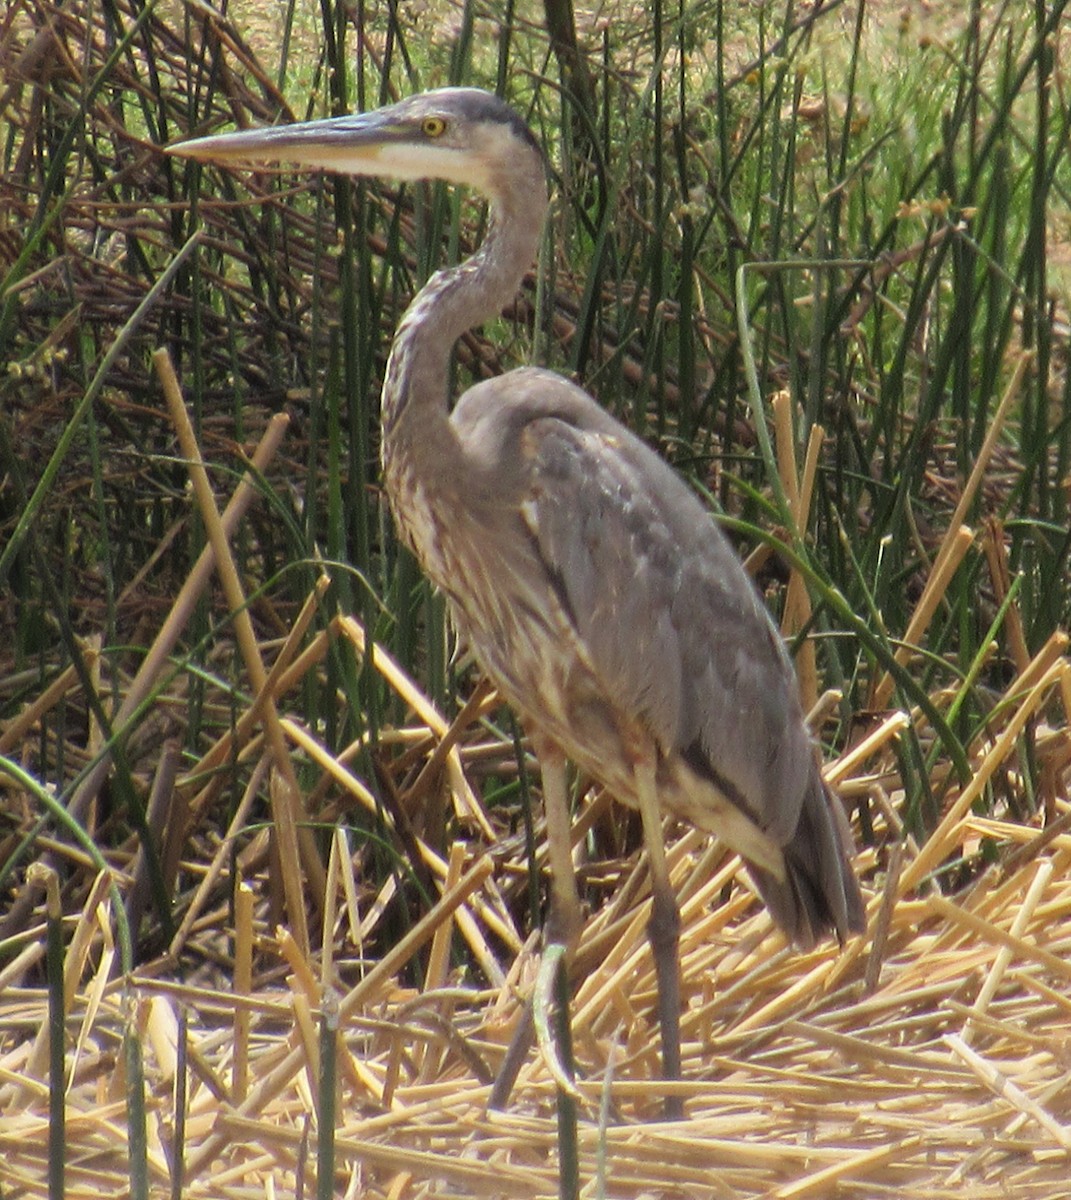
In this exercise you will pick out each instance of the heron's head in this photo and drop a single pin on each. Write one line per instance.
(461, 135)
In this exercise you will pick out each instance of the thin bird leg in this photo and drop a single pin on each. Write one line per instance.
(560, 935)
(562, 930)
(560, 938)
(563, 920)
(663, 930)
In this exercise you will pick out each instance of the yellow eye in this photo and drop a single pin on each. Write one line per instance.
(433, 127)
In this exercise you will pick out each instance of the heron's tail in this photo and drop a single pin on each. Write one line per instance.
(819, 892)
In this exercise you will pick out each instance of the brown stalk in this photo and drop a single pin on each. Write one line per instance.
(295, 838)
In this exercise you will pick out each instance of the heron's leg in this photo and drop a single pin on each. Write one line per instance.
(562, 928)
(563, 919)
(663, 931)
(560, 938)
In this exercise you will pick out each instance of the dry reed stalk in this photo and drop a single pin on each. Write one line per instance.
(19, 727)
(363, 993)
(882, 923)
(220, 860)
(470, 1174)
(25, 960)
(331, 766)
(468, 805)
(243, 986)
(996, 936)
(279, 681)
(303, 979)
(341, 775)
(837, 773)
(943, 837)
(482, 698)
(155, 661)
(340, 851)
(1021, 920)
(295, 842)
(797, 608)
(994, 546)
(439, 956)
(994, 430)
(1003, 1087)
(956, 543)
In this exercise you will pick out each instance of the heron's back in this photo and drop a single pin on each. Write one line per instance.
(609, 609)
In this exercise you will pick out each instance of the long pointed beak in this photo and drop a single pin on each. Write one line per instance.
(350, 144)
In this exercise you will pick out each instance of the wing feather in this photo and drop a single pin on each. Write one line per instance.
(667, 616)
(615, 553)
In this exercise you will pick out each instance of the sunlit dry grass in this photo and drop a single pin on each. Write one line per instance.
(256, 821)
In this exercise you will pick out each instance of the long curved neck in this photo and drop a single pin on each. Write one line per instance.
(417, 436)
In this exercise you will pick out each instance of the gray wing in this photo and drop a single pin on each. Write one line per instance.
(669, 619)
(666, 619)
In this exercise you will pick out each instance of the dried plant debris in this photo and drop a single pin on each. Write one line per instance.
(928, 1056)
(327, 932)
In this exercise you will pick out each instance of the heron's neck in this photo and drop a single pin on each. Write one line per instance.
(415, 402)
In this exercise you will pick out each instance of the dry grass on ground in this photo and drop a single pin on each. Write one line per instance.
(929, 1060)
(930, 1057)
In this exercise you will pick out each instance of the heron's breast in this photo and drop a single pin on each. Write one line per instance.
(529, 649)
(513, 622)
(418, 518)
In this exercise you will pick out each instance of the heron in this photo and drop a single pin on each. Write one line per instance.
(591, 584)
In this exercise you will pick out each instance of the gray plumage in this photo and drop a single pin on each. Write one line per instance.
(595, 590)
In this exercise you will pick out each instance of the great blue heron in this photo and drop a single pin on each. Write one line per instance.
(590, 583)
